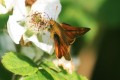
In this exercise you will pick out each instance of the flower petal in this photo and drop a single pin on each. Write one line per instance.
(3, 10)
(46, 37)
(19, 10)
(50, 7)
(67, 65)
(49, 48)
(33, 54)
(9, 4)
(14, 29)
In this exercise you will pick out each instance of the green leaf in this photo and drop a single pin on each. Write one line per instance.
(3, 20)
(62, 74)
(73, 76)
(83, 78)
(51, 65)
(19, 64)
(40, 75)
(68, 76)
(52, 72)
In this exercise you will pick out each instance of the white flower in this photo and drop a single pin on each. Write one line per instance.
(67, 65)
(6, 6)
(31, 22)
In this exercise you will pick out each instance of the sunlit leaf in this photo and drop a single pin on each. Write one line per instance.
(38, 76)
(19, 64)
(51, 65)
(62, 74)
(73, 76)
(53, 73)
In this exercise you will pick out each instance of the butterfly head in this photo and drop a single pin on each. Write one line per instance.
(52, 22)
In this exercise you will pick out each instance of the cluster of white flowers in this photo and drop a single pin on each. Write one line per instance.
(24, 22)
(27, 21)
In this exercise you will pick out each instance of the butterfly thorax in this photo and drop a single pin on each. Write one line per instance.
(57, 29)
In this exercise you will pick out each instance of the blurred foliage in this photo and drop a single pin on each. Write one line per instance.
(95, 14)
(78, 15)
(5, 39)
(102, 16)
(3, 21)
(92, 13)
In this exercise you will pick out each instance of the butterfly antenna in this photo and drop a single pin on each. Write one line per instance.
(47, 16)
(55, 12)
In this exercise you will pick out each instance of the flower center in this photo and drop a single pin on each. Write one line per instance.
(36, 21)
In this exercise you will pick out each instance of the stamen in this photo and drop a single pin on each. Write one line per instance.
(38, 21)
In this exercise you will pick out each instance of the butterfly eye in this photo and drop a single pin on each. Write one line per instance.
(49, 27)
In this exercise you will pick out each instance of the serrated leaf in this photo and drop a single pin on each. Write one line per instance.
(53, 73)
(73, 76)
(62, 75)
(51, 65)
(38, 76)
(19, 64)
(68, 76)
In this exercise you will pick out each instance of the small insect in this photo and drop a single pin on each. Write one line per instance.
(64, 35)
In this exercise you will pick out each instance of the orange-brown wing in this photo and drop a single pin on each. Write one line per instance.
(61, 48)
(64, 35)
(73, 32)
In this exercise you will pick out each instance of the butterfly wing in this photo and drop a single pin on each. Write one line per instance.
(73, 32)
(61, 48)
(64, 35)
